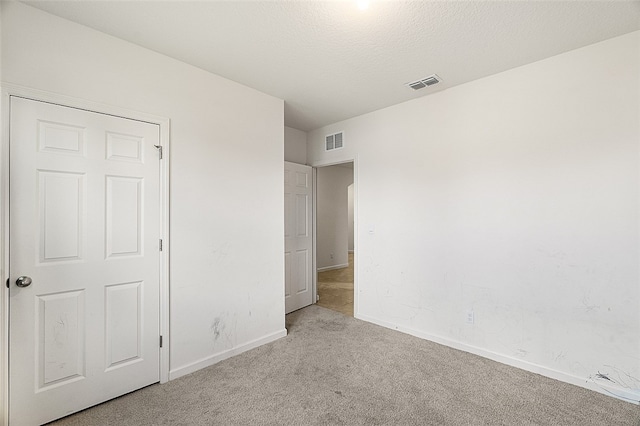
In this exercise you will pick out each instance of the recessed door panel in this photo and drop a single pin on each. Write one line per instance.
(61, 339)
(123, 337)
(61, 212)
(302, 179)
(124, 147)
(302, 265)
(60, 138)
(302, 215)
(124, 216)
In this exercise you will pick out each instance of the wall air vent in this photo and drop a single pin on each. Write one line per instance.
(334, 141)
(424, 82)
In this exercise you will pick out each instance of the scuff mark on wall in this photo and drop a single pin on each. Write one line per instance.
(223, 330)
(216, 328)
(222, 252)
(619, 378)
(589, 306)
(521, 353)
(599, 375)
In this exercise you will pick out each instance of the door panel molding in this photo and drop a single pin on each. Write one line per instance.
(7, 91)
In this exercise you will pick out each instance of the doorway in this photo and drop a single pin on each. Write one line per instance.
(335, 250)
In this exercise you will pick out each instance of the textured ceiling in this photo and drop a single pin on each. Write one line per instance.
(330, 61)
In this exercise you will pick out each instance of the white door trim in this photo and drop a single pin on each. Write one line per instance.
(8, 90)
(314, 234)
(316, 165)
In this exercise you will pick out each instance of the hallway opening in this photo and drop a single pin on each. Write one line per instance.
(335, 237)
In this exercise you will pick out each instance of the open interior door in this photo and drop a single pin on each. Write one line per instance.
(298, 245)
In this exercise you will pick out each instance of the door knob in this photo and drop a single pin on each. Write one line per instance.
(23, 281)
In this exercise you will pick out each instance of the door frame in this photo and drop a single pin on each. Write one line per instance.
(326, 163)
(11, 90)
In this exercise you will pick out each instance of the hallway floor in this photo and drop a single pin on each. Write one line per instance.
(335, 288)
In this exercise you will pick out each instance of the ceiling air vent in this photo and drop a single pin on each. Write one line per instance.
(424, 82)
(334, 141)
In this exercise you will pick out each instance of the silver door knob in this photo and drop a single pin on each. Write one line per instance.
(23, 281)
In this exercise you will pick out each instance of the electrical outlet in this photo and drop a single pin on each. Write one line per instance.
(470, 317)
(331, 255)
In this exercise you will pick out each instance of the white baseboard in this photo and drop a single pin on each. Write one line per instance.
(329, 268)
(603, 388)
(214, 359)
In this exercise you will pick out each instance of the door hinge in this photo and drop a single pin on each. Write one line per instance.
(160, 341)
(7, 282)
(160, 245)
(159, 148)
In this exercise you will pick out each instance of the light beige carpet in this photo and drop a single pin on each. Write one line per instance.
(335, 370)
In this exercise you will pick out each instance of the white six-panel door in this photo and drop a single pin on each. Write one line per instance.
(84, 227)
(298, 261)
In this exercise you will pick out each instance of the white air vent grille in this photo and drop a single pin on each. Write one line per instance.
(338, 140)
(424, 82)
(334, 141)
(330, 143)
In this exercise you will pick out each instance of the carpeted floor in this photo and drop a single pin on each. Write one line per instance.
(335, 370)
(335, 289)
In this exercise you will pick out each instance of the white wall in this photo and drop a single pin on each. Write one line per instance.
(226, 160)
(332, 227)
(517, 197)
(295, 145)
